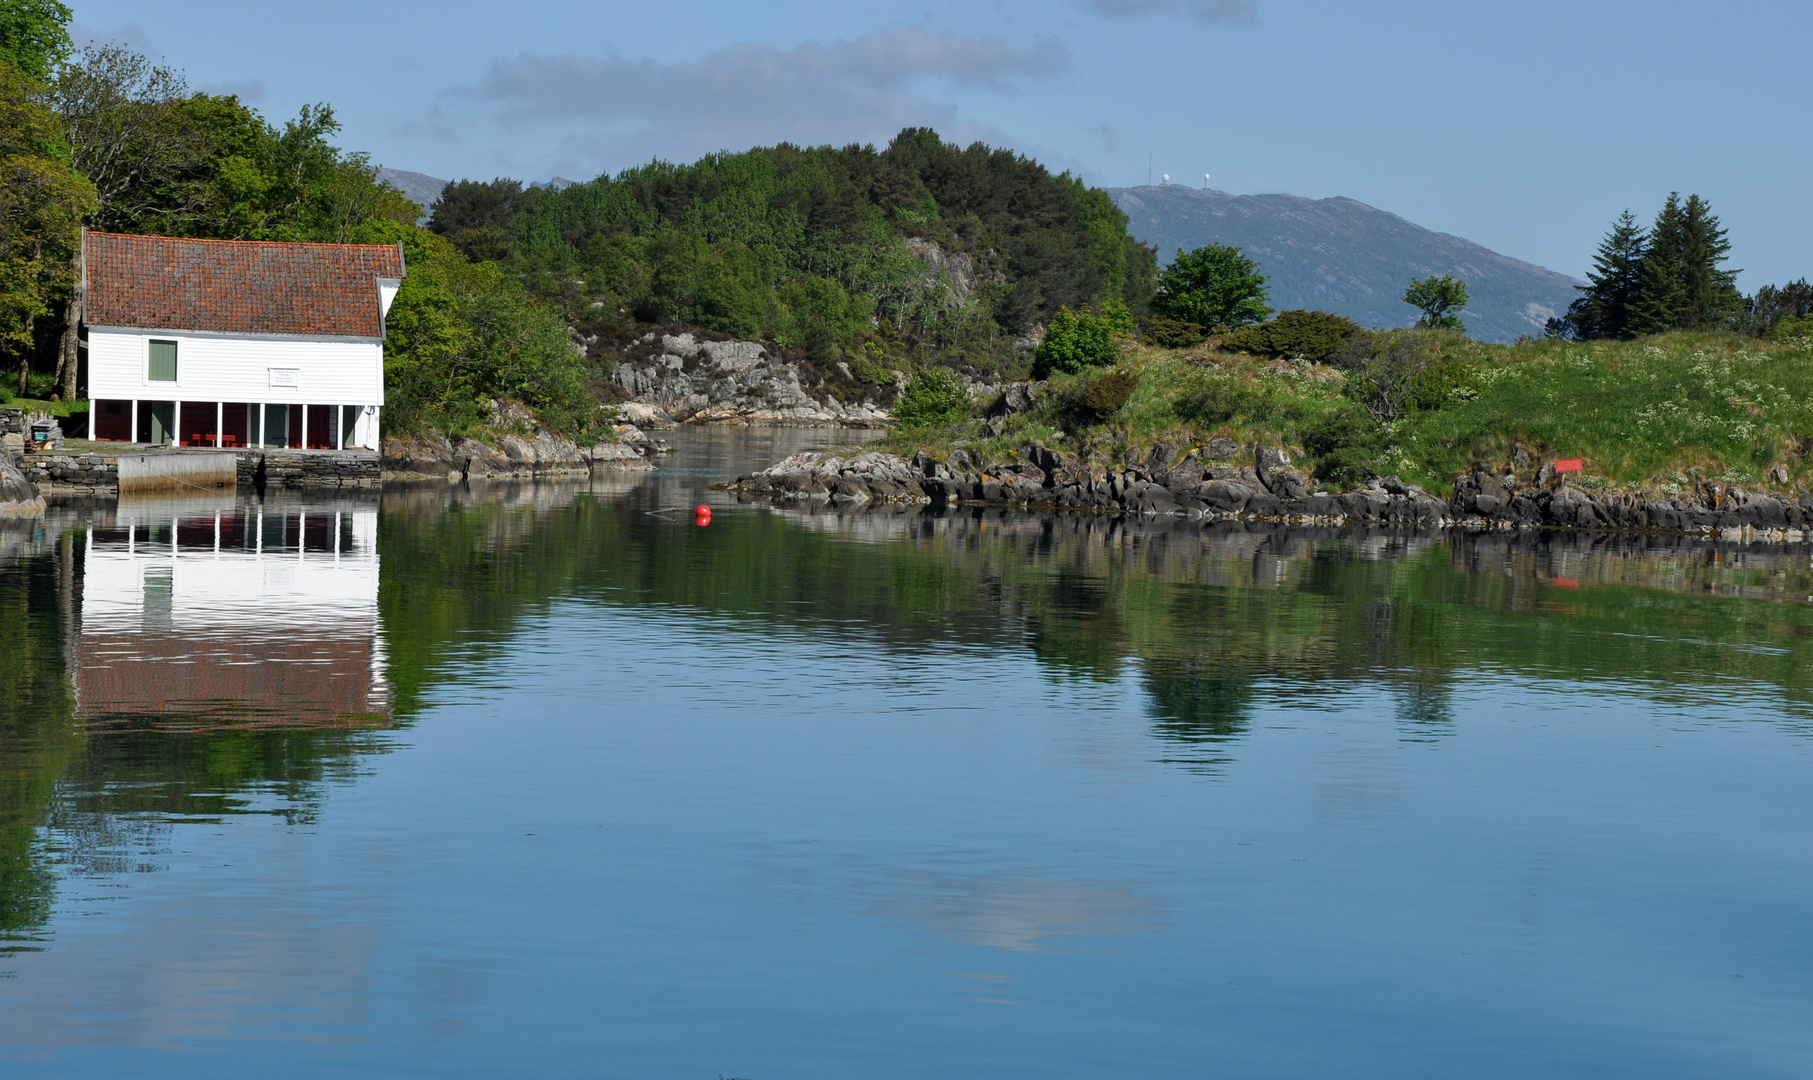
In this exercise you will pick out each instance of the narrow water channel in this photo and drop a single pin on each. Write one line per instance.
(549, 780)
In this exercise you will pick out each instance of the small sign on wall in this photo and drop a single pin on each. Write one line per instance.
(286, 376)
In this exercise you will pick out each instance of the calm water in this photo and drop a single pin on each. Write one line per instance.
(549, 781)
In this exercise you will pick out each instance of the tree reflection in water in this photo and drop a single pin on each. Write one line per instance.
(430, 587)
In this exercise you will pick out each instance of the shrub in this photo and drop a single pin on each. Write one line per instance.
(1792, 328)
(1442, 383)
(1345, 445)
(1383, 370)
(934, 396)
(1317, 336)
(1220, 398)
(1075, 341)
(1169, 333)
(1118, 317)
(1101, 396)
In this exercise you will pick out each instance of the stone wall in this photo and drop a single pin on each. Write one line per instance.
(99, 474)
(72, 474)
(311, 469)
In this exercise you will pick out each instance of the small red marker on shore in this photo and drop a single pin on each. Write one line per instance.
(702, 516)
(1570, 465)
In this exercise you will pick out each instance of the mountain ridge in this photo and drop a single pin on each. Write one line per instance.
(1339, 254)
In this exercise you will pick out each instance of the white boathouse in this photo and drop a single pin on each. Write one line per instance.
(234, 344)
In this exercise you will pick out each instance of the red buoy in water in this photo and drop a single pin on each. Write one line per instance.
(702, 516)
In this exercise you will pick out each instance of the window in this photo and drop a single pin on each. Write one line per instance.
(163, 361)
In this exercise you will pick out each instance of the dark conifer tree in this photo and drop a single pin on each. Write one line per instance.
(1709, 296)
(1604, 308)
(1684, 286)
(1658, 304)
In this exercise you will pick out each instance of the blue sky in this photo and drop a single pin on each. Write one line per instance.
(1526, 126)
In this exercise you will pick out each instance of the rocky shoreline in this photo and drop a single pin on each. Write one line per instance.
(532, 453)
(1207, 483)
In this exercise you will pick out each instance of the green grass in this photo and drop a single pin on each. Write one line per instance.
(1649, 415)
(1646, 413)
(54, 408)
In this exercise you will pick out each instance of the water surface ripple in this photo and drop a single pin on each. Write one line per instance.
(546, 780)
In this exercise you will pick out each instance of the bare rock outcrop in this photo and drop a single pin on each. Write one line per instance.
(731, 382)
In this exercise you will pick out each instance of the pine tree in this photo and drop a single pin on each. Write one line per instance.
(1683, 284)
(1604, 308)
(1658, 304)
(1709, 296)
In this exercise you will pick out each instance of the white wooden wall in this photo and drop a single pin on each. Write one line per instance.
(221, 367)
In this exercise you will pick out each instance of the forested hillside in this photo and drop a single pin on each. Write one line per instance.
(920, 251)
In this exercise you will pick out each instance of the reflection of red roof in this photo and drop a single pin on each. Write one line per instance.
(238, 286)
(300, 680)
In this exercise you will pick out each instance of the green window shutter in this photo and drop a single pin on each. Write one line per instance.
(163, 361)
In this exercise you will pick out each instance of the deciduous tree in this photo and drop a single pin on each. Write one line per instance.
(1215, 286)
(1441, 299)
(42, 203)
(34, 37)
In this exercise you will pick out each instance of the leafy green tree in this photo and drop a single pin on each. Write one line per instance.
(476, 214)
(1605, 307)
(461, 334)
(42, 202)
(1441, 299)
(34, 37)
(1773, 306)
(1214, 286)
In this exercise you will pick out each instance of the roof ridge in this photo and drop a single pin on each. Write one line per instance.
(210, 240)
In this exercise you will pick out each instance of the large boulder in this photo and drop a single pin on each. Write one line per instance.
(19, 497)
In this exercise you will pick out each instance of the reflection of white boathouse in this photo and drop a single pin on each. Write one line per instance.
(233, 615)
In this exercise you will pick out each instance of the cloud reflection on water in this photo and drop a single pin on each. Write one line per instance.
(1012, 913)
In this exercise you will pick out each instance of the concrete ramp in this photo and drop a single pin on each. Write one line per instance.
(178, 471)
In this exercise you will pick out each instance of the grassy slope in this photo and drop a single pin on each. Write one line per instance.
(1650, 414)
(44, 405)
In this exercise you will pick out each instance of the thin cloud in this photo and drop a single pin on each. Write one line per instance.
(1220, 11)
(132, 35)
(863, 90)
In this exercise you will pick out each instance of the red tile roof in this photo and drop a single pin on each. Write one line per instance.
(238, 286)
